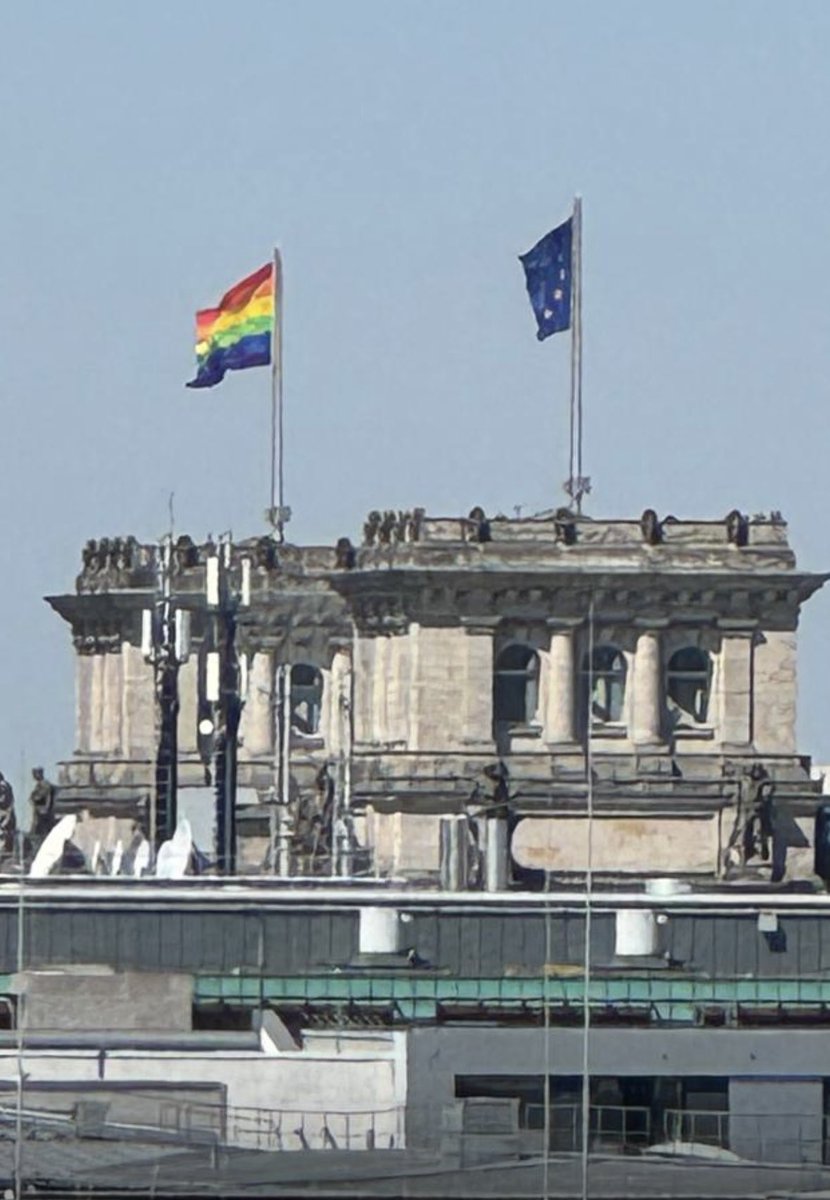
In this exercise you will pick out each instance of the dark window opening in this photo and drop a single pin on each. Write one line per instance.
(220, 1015)
(306, 698)
(603, 675)
(626, 1111)
(516, 686)
(687, 681)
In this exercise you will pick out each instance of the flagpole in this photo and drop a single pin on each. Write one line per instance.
(277, 507)
(575, 479)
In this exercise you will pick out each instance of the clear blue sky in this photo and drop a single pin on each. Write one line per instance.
(402, 155)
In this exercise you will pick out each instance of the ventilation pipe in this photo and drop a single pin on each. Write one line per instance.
(453, 850)
(636, 933)
(378, 931)
(494, 830)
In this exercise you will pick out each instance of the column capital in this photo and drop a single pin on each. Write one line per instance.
(564, 624)
(737, 627)
(479, 624)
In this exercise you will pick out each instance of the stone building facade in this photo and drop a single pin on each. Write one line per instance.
(471, 674)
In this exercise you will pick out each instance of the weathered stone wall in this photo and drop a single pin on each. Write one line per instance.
(403, 843)
(99, 1000)
(636, 845)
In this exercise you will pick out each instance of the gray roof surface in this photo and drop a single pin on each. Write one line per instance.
(126, 1168)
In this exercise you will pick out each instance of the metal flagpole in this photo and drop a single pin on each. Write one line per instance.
(572, 414)
(277, 508)
(575, 479)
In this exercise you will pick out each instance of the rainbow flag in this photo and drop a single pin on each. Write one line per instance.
(237, 334)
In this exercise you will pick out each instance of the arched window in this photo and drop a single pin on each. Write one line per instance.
(306, 698)
(604, 675)
(516, 686)
(687, 681)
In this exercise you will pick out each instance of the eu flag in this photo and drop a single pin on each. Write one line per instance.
(548, 276)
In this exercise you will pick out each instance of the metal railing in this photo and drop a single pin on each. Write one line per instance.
(192, 1123)
(611, 1125)
(327, 1129)
(707, 1127)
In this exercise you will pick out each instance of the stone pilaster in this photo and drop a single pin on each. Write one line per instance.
(137, 704)
(256, 726)
(84, 668)
(97, 695)
(113, 687)
(336, 732)
(477, 731)
(736, 687)
(188, 682)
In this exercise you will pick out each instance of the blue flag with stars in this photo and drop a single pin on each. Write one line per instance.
(548, 277)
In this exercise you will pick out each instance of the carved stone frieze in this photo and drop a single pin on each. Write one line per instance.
(89, 639)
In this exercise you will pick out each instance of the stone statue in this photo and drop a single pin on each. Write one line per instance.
(480, 526)
(651, 528)
(387, 527)
(564, 526)
(737, 528)
(402, 525)
(413, 533)
(371, 527)
(344, 554)
(8, 821)
(42, 800)
(753, 830)
(265, 553)
(185, 552)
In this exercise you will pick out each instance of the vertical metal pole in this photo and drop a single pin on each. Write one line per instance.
(546, 1014)
(586, 976)
(282, 769)
(347, 763)
(576, 344)
(277, 457)
(275, 816)
(228, 712)
(164, 810)
(285, 769)
(574, 353)
(21, 1008)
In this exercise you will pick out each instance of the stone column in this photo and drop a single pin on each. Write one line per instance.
(646, 706)
(559, 710)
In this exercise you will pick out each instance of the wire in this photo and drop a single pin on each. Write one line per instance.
(586, 976)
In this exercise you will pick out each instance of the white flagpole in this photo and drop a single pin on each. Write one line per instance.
(575, 479)
(277, 508)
